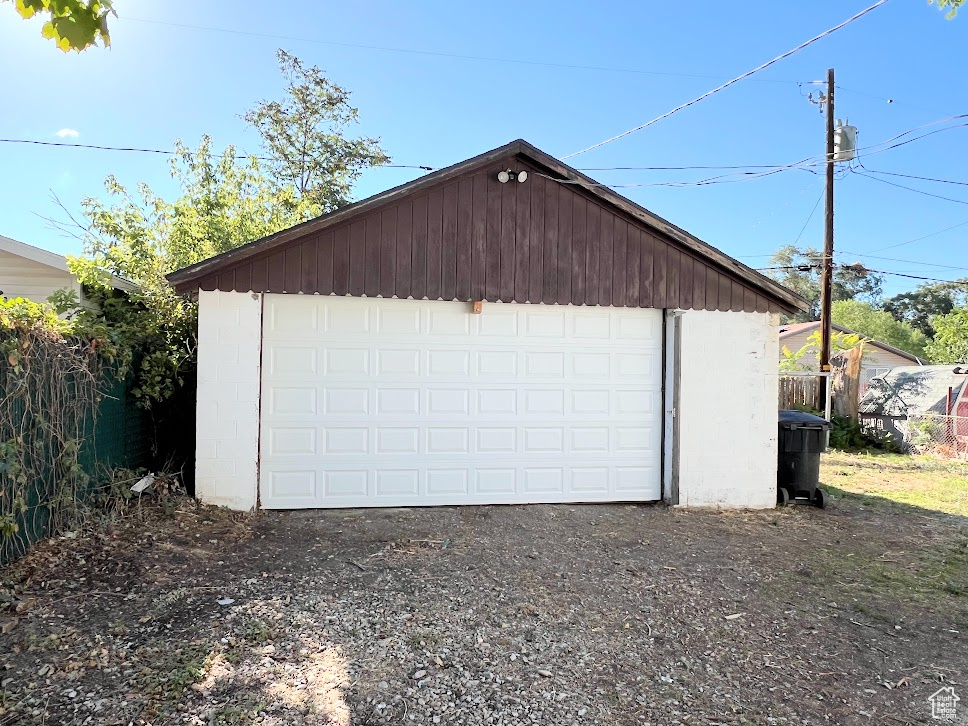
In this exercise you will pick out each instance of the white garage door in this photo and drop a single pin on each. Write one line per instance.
(373, 402)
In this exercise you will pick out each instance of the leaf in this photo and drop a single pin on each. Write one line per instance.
(26, 9)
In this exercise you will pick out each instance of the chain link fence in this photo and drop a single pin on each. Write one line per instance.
(935, 434)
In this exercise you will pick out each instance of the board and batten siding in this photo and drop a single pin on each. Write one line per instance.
(472, 238)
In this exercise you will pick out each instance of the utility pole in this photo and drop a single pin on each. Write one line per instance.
(827, 265)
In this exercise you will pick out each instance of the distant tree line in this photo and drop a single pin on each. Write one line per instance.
(930, 321)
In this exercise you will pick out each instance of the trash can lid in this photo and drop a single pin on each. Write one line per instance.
(793, 419)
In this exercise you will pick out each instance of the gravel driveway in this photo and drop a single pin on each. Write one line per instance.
(601, 614)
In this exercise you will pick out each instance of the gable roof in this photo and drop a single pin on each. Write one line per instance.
(52, 260)
(792, 329)
(546, 166)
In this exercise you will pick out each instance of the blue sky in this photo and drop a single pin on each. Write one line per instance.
(158, 83)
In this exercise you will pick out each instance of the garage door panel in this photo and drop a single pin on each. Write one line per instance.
(352, 362)
(346, 440)
(448, 482)
(500, 323)
(285, 317)
(591, 326)
(448, 440)
(293, 361)
(589, 480)
(342, 401)
(292, 441)
(448, 322)
(347, 319)
(475, 482)
(290, 489)
(496, 363)
(290, 401)
(398, 321)
(520, 404)
(448, 362)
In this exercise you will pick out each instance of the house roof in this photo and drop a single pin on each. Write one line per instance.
(792, 329)
(188, 278)
(52, 260)
(913, 390)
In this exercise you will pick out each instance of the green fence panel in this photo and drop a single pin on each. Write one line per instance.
(118, 436)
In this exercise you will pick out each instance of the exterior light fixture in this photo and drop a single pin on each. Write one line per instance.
(506, 175)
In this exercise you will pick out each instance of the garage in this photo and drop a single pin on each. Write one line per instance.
(503, 331)
(373, 402)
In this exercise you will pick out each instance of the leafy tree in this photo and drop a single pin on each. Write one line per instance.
(223, 202)
(799, 270)
(950, 344)
(950, 5)
(305, 136)
(140, 236)
(807, 358)
(880, 325)
(73, 24)
(918, 306)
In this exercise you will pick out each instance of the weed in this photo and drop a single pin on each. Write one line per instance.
(256, 631)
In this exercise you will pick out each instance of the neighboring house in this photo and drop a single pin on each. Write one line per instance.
(349, 361)
(878, 357)
(30, 272)
(915, 391)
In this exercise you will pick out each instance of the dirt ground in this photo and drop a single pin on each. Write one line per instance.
(600, 614)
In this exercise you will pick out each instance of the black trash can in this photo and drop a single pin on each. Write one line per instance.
(802, 439)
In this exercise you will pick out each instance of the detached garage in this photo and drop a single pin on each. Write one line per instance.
(501, 331)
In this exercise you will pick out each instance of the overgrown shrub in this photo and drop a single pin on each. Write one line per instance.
(50, 388)
(849, 435)
(56, 378)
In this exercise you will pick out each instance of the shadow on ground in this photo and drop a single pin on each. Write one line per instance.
(600, 614)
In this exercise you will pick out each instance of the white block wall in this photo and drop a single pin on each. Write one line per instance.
(727, 409)
(227, 438)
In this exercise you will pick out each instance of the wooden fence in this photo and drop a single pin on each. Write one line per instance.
(802, 390)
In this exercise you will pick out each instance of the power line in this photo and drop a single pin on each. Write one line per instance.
(812, 212)
(918, 239)
(706, 95)
(805, 164)
(702, 182)
(808, 267)
(440, 54)
(910, 189)
(882, 249)
(895, 259)
(916, 138)
(916, 277)
(913, 176)
(675, 168)
(173, 153)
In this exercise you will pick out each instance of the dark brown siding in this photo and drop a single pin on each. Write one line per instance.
(473, 238)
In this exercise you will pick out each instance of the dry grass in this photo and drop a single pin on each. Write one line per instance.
(918, 481)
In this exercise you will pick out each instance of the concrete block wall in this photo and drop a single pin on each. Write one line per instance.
(229, 360)
(728, 389)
